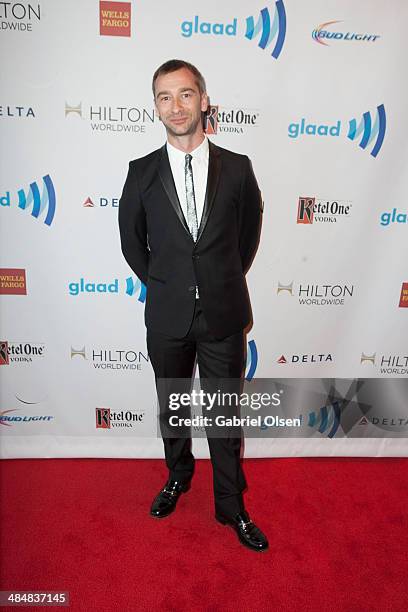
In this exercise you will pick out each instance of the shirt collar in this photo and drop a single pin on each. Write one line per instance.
(199, 154)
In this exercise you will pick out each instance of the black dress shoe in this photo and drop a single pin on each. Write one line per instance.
(248, 533)
(165, 502)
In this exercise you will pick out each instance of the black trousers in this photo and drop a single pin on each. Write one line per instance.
(174, 358)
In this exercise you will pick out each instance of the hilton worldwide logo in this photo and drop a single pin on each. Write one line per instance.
(112, 119)
(391, 364)
(112, 359)
(310, 294)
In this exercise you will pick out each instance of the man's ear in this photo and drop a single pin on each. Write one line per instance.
(204, 102)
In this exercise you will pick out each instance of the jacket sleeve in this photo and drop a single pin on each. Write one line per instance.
(133, 227)
(249, 215)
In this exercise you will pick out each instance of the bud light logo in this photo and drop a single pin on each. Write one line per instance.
(41, 205)
(252, 360)
(267, 30)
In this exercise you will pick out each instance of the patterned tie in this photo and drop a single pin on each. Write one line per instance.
(192, 221)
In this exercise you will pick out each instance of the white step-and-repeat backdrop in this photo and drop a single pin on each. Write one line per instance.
(314, 93)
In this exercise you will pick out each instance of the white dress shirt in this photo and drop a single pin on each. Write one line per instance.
(199, 164)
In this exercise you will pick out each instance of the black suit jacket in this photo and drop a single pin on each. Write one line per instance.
(159, 248)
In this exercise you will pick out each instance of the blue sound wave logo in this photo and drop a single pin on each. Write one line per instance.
(136, 286)
(39, 203)
(267, 29)
(327, 418)
(369, 130)
(252, 360)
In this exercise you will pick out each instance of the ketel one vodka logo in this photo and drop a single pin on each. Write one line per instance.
(19, 352)
(106, 418)
(309, 294)
(311, 210)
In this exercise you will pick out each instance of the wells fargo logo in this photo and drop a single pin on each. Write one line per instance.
(114, 18)
(13, 281)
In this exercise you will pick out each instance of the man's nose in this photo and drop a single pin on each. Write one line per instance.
(176, 105)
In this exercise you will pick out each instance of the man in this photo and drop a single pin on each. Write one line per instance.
(189, 219)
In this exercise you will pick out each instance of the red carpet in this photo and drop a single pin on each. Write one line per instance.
(337, 530)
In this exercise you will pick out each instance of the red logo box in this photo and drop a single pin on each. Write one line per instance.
(13, 281)
(114, 18)
(4, 357)
(404, 296)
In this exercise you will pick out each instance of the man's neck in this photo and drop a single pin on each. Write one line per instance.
(186, 143)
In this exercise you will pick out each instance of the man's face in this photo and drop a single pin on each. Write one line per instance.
(179, 103)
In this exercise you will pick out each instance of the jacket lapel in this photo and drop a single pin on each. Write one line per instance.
(214, 171)
(167, 180)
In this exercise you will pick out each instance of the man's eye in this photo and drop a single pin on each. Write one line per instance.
(186, 95)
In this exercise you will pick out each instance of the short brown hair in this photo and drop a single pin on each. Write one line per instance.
(175, 64)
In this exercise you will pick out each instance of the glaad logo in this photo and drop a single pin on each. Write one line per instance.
(321, 33)
(269, 30)
(132, 287)
(252, 360)
(388, 364)
(18, 16)
(38, 203)
(368, 130)
(318, 295)
(266, 28)
(113, 359)
(319, 210)
(108, 419)
(328, 418)
(116, 119)
(217, 119)
(387, 218)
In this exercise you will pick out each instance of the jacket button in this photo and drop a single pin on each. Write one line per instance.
(196, 257)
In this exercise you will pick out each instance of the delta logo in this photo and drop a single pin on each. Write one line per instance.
(321, 34)
(112, 359)
(114, 18)
(218, 119)
(369, 132)
(101, 202)
(38, 199)
(16, 112)
(112, 119)
(131, 287)
(312, 209)
(106, 418)
(387, 364)
(19, 16)
(310, 294)
(393, 217)
(309, 359)
(403, 303)
(267, 29)
(13, 281)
